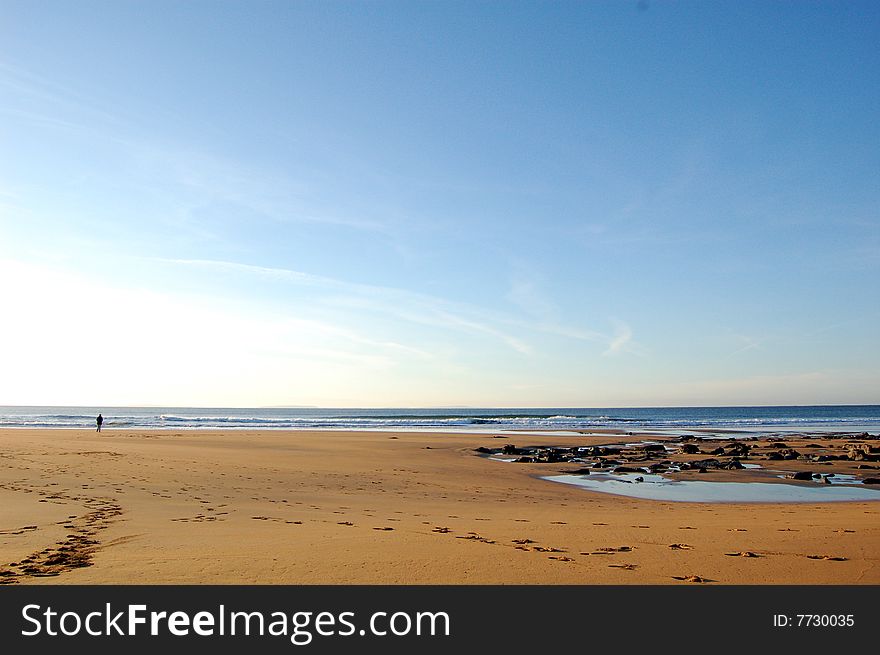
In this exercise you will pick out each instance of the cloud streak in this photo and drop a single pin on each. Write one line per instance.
(423, 309)
(748, 342)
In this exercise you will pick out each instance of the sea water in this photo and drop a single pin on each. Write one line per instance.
(826, 418)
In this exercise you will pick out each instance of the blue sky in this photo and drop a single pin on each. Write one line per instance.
(439, 203)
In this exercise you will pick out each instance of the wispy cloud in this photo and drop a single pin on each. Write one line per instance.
(622, 340)
(204, 179)
(31, 90)
(189, 179)
(397, 303)
(748, 343)
(526, 293)
(427, 310)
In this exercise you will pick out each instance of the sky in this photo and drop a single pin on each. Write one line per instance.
(422, 204)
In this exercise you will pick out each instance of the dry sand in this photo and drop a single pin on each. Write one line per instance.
(275, 507)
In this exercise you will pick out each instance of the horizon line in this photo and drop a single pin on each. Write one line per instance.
(465, 407)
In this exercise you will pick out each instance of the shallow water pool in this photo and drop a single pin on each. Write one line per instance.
(657, 487)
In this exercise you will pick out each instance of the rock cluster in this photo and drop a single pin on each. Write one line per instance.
(677, 455)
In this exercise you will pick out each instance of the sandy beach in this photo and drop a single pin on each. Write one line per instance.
(285, 507)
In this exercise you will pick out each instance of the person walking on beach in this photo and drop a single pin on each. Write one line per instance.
(100, 422)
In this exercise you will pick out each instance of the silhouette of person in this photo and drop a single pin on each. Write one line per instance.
(99, 421)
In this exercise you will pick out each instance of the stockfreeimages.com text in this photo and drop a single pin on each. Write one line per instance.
(300, 627)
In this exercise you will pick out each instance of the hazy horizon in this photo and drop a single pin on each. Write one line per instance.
(441, 407)
(454, 204)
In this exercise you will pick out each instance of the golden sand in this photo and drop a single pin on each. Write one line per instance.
(273, 507)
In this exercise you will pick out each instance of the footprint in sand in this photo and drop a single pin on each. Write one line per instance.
(22, 530)
(383, 528)
(744, 553)
(548, 549)
(625, 567)
(607, 550)
(558, 523)
(522, 541)
(680, 547)
(344, 523)
(441, 529)
(687, 527)
(560, 559)
(473, 536)
(828, 558)
(691, 578)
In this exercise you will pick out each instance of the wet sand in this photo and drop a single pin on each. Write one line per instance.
(272, 507)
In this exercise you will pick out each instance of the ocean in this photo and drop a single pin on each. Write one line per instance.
(830, 418)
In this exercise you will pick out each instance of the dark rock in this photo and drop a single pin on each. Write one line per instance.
(654, 448)
(640, 479)
(871, 481)
(733, 464)
(484, 450)
(525, 460)
(861, 452)
(800, 475)
(510, 449)
(690, 449)
(717, 451)
(737, 449)
(627, 469)
(775, 455)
